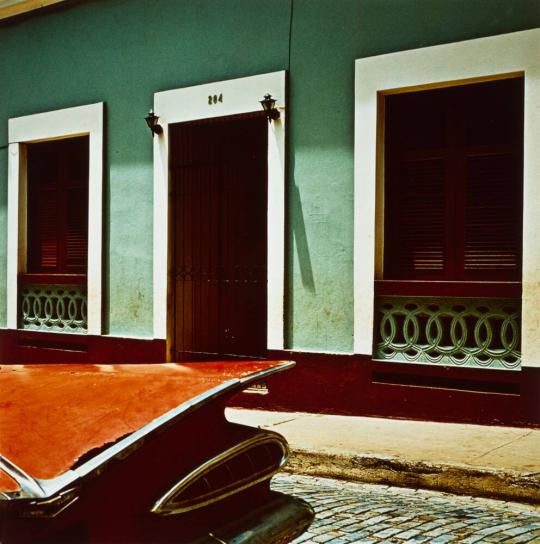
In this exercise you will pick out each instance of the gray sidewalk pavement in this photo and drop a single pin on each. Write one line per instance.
(498, 462)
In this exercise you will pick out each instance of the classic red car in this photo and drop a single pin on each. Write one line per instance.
(138, 453)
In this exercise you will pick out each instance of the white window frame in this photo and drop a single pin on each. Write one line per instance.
(78, 121)
(189, 104)
(431, 67)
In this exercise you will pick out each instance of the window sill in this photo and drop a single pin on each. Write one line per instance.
(53, 279)
(425, 288)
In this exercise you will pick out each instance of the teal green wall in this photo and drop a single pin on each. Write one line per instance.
(122, 51)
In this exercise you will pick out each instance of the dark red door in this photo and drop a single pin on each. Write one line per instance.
(219, 178)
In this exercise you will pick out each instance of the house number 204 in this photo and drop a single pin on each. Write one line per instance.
(214, 99)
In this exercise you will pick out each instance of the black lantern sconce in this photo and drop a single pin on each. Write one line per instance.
(269, 106)
(152, 122)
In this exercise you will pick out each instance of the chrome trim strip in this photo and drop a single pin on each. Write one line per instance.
(216, 539)
(50, 507)
(160, 506)
(137, 436)
(29, 486)
(169, 417)
(47, 488)
(252, 378)
(54, 485)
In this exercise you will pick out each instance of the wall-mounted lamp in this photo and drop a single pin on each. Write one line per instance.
(152, 122)
(269, 106)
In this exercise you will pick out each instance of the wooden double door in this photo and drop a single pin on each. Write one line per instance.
(219, 293)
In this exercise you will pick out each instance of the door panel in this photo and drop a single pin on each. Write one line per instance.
(219, 176)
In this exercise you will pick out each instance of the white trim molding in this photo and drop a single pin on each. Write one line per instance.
(441, 65)
(69, 122)
(191, 103)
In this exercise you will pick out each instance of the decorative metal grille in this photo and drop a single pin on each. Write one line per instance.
(59, 308)
(468, 332)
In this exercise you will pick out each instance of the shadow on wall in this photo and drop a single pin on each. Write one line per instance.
(300, 237)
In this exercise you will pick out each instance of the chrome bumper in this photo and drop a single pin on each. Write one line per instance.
(278, 521)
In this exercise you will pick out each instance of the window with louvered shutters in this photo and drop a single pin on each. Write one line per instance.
(453, 183)
(57, 234)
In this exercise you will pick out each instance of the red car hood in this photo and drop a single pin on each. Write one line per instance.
(50, 415)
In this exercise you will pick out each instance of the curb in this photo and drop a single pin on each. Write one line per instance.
(386, 470)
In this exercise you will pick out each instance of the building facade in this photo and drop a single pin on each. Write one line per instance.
(379, 226)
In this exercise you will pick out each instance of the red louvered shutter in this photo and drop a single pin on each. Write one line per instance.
(415, 232)
(453, 183)
(57, 234)
(493, 206)
(46, 246)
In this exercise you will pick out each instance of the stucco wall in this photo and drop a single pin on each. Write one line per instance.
(122, 51)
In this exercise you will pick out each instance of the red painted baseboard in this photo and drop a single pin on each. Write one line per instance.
(324, 383)
(27, 347)
(356, 385)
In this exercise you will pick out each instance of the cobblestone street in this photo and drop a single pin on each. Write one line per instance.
(370, 514)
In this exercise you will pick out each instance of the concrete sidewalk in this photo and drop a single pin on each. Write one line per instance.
(498, 462)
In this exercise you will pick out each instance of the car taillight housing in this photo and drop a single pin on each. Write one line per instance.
(236, 469)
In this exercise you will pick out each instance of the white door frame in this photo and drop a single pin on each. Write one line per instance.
(222, 98)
